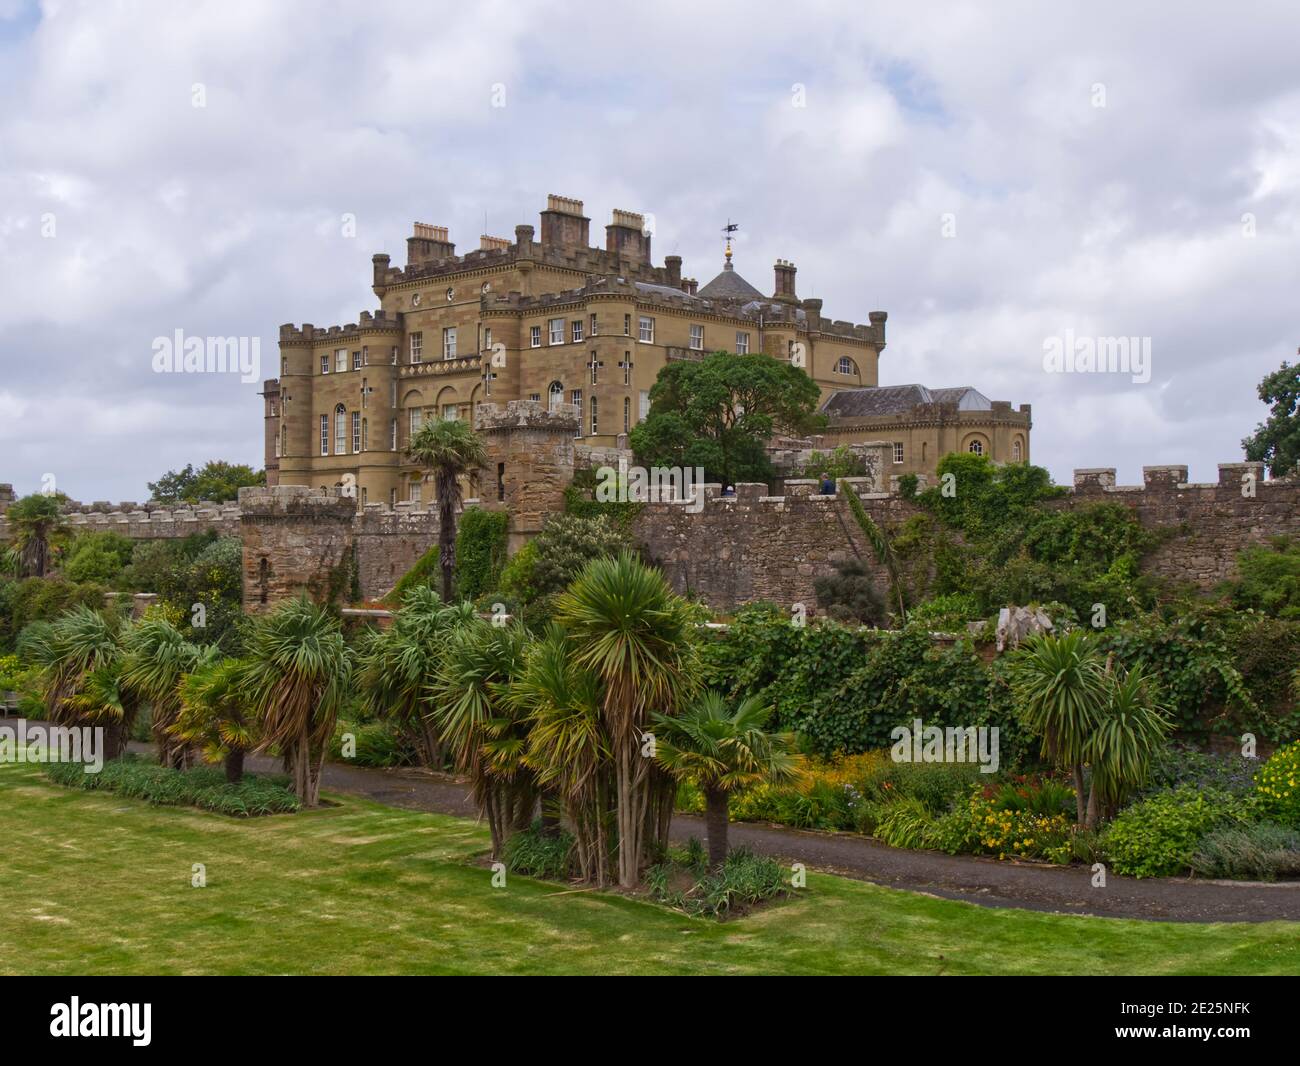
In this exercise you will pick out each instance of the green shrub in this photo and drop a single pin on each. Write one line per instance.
(1269, 578)
(906, 823)
(536, 853)
(99, 556)
(480, 551)
(1278, 786)
(744, 880)
(377, 744)
(1158, 836)
(203, 786)
(1176, 764)
(1261, 852)
(850, 595)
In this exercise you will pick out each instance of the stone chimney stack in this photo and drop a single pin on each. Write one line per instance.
(428, 243)
(492, 244)
(673, 264)
(626, 237)
(380, 263)
(564, 225)
(785, 271)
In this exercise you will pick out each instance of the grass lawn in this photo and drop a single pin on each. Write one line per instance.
(92, 883)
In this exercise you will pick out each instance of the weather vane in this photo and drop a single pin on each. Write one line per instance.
(729, 229)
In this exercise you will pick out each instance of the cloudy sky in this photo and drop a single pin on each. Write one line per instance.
(992, 175)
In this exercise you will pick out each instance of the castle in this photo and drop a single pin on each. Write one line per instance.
(557, 322)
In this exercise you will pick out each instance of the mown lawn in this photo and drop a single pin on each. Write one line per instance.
(95, 884)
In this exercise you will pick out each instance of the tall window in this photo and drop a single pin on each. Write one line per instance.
(646, 330)
(340, 430)
(594, 365)
(324, 434)
(365, 434)
(627, 413)
(393, 355)
(898, 451)
(356, 432)
(487, 338)
(627, 368)
(575, 398)
(592, 325)
(627, 325)
(417, 416)
(413, 492)
(449, 342)
(392, 497)
(277, 446)
(284, 440)
(417, 347)
(742, 343)
(1015, 451)
(535, 336)
(594, 431)
(365, 355)
(697, 337)
(392, 434)
(341, 360)
(356, 360)
(365, 392)
(846, 366)
(556, 395)
(976, 447)
(450, 412)
(556, 331)
(577, 331)
(324, 364)
(644, 408)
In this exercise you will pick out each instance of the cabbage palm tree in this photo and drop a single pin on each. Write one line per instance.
(569, 749)
(721, 751)
(297, 676)
(156, 658)
(34, 520)
(449, 449)
(213, 714)
(1060, 688)
(396, 666)
(487, 733)
(1132, 726)
(634, 635)
(81, 643)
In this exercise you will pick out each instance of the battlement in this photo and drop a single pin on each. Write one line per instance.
(368, 322)
(257, 503)
(526, 414)
(1172, 478)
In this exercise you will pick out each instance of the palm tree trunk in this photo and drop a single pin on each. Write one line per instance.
(1090, 819)
(235, 765)
(716, 805)
(1080, 812)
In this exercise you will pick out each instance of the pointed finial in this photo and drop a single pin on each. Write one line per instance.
(729, 229)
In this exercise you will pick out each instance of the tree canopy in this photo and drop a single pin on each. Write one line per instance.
(719, 413)
(1277, 441)
(216, 480)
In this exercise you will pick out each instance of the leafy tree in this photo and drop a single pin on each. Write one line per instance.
(449, 449)
(1277, 441)
(721, 751)
(629, 630)
(719, 413)
(98, 556)
(34, 520)
(217, 481)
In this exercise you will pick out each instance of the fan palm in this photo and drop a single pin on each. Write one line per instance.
(395, 666)
(449, 449)
(487, 733)
(296, 680)
(721, 751)
(213, 713)
(568, 747)
(634, 635)
(34, 520)
(156, 657)
(1060, 689)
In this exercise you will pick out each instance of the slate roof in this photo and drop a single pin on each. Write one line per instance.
(898, 399)
(730, 286)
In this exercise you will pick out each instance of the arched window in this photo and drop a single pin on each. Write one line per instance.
(365, 435)
(846, 366)
(556, 392)
(1015, 451)
(340, 430)
(976, 447)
